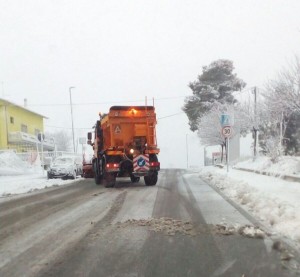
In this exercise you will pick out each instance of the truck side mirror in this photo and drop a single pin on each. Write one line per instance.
(89, 138)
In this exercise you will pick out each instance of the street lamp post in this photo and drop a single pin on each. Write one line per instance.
(70, 88)
(187, 151)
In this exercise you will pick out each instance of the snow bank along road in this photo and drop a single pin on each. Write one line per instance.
(180, 227)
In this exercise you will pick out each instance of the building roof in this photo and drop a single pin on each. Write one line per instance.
(21, 107)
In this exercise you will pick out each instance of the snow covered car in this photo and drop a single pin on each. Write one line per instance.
(65, 167)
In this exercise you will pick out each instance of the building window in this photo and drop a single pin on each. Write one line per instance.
(24, 128)
(12, 120)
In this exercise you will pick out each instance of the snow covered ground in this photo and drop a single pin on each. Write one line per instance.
(273, 201)
(18, 177)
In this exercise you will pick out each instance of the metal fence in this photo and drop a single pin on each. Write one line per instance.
(44, 158)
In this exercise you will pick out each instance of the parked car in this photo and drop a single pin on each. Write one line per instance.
(65, 167)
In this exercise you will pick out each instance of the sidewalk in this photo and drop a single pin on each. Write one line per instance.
(271, 200)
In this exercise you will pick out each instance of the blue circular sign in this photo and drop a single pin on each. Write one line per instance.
(141, 162)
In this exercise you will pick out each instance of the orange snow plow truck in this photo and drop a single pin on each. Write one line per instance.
(125, 145)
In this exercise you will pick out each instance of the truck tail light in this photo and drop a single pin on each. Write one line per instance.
(155, 164)
(112, 165)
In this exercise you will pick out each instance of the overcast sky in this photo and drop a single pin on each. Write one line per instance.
(118, 52)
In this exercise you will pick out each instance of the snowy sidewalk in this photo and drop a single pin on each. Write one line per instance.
(271, 200)
(291, 178)
(17, 176)
(27, 183)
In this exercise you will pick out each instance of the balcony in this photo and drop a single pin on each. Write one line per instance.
(20, 138)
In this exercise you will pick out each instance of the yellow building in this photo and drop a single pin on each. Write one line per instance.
(20, 127)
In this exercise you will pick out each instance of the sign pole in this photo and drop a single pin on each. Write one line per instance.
(227, 148)
(226, 123)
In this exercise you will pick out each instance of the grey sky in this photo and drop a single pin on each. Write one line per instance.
(114, 51)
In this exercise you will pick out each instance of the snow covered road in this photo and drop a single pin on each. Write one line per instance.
(181, 227)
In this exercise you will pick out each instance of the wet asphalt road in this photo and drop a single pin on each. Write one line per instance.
(171, 229)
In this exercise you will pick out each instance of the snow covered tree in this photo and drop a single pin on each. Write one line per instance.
(272, 130)
(292, 135)
(283, 92)
(62, 140)
(282, 99)
(215, 85)
(209, 129)
(209, 125)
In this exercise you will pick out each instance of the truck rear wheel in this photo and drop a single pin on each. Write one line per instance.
(98, 179)
(151, 179)
(97, 176)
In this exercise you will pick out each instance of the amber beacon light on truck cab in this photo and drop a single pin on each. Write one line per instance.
(125, 145)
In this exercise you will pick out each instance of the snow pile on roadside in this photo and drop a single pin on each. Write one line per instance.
(17, 176)
(11, 164)
(28, 183)
(287, 165)
(273, 201)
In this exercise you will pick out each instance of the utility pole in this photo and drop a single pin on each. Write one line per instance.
(255, 124)
(70, 88)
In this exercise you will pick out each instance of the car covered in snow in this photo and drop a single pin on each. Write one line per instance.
(65, 167)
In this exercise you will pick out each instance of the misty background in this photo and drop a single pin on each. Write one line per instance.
(119, 52)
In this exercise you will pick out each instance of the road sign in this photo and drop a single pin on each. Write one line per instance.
(225, 120)
(227, 131)
(82, 140)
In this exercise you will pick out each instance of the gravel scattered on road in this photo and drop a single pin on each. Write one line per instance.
(171, 227)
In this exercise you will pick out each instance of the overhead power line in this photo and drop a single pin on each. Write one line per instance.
(171, 115)
(108, 102)
(243, 91)
(69, 128)
(155, 99)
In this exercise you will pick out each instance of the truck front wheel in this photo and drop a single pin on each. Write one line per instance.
(151, 179)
